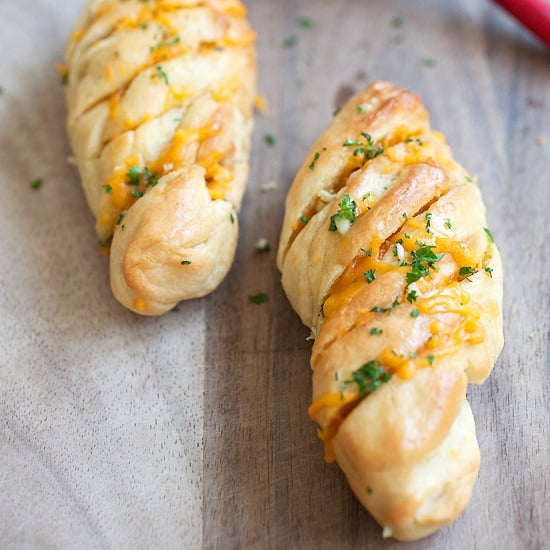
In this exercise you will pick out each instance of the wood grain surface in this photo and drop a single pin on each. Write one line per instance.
(190, 430)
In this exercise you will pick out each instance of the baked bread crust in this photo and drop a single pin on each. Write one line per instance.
(160, 101)
(386, 255)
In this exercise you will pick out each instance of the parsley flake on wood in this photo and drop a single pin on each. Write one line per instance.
(259, 298)
(342, 220)
(368, 378)
(37, 184)
(290, 42)
(305, 22)
(270, 140)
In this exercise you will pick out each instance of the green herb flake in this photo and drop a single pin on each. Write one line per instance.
(304, 219)
(305, 22)
(37, 184)
(290, 41)
(489, 271)
(186, 262)
(415, 313)
(136, 193)
(346, 213)
(134, 175)
(167, 43)
(314, 161)
(412, 296)
(465, 272)
(259, 298)
(108, 189)
(430, 358)
(377, 331)
(370, 276)
(423, 260)
(159, 73)
(428, 62)
(366, 251)
(270, 140)
(232, 218)
(448, 224)
(428, 218)
(368, 378)
(397, 22)
(489, 234)
(469, 179)
(362, 108)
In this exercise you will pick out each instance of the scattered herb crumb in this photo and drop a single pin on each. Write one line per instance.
(448, 224)
(270, 140)
(37, 184)
(368, 378)
(304, 219)
(305, 22)
(259, 298)
(415, 313)
(186, 262)
(398, 21)
(377, 331)
(314, 161)
(466, 272)
(108, 189)
(161, 74)
(231, 218)
(489, 234)
(290, 42)
(428, 62)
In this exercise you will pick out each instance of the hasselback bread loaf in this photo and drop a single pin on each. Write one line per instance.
(160, 99)
(385, 253)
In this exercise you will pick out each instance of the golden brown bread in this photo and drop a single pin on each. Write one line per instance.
(385, 254)
(160, 97)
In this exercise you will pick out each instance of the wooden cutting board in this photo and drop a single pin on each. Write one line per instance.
(190, 430)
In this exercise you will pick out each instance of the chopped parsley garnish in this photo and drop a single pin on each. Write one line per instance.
(469, 179)
(151, 178)
(362, 108)
(108, 189)
(166, 43)
(314, 161)
(448, 224)
(365, 148)
(465, 272)
(397, 22)
(489, 234)
(37, 184)
(305, 22)
(136, 193)
(134, 174)
(370, 276)
(159, 73)
(304, 219)
(186, 262)
(290, 41)
(375, 330)
(366, 251)
(423, 260)
(342, 220)
(368, 378)
(411, 296)
(380, 309)
(428, 218)
(489, 271)
(270, 140)
(231, 218)
(430, 358)
(337, 111)
(259, 298)
(415, 313)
